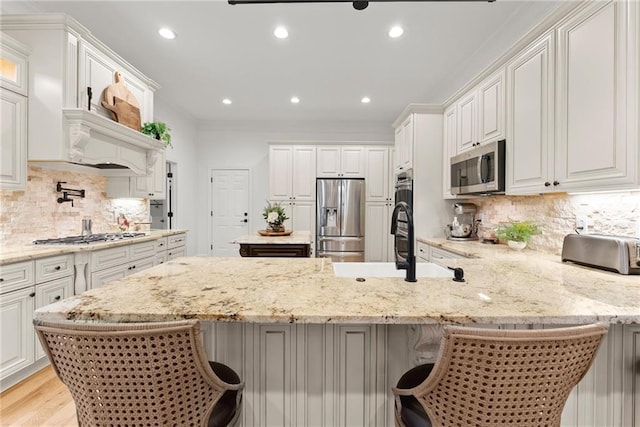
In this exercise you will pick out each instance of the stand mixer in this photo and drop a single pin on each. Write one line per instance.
(464, 225)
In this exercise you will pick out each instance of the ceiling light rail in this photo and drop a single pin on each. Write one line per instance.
(358, 4)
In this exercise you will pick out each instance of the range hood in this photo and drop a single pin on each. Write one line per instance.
(91, 140)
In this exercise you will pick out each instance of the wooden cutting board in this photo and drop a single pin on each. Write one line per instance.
(126, 114)
(118, 90)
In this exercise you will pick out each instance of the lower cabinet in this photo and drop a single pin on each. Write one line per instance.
(111, 264)
(341, 375)
(40, 283)
(378, 238)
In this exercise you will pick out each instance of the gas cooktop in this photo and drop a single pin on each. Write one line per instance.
(91, 238)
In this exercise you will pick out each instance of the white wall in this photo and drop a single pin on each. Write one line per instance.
(244, 145)
(185, 153)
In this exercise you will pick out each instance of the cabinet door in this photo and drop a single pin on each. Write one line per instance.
(449, 149)
(280, 172)
(303, 216)
(328, 161)
(112, 257)
(530, 134)
(304, 173)
(352, 162)
(152, 186)
(54, 268)
(467, 121)
(377, 232)
(491, 108)
(17, 336)
(597, 98)
(103, 277)
(16, 276)
(399, 137)
(13, 72)
(405, 154)
(176, 253)
(377, 174)
(48, 293)
(13, 140)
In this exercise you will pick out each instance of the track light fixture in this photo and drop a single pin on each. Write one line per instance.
(358, 4)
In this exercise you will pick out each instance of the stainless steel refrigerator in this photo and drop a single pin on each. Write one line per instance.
(340, 214)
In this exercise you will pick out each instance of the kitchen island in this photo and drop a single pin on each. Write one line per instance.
(312, 346)
(297, 244)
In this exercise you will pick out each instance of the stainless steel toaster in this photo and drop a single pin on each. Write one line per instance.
(614, 253)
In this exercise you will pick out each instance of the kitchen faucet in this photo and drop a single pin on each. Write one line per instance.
(410, 262)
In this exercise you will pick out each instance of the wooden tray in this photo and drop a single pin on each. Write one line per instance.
(274, 233)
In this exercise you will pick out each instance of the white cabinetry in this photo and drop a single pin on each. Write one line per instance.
(450, 148)
(597, 98)
(530, 107)
(429, 253)
(24, 287)
(292, 172)
(13, 114)
(151, 186)
(176, 246)
(107, 265)
(340, 161)
(404, 145)
(379, 204)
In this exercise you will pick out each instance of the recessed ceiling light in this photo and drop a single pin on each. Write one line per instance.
(365, 100)
(226, 101)
(295, 99)
(396, 32)
(167, 33)
(281, 32)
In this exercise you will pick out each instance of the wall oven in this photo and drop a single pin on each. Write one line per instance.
(479, 170)
(403, 193)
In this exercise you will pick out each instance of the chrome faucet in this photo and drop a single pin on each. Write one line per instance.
(410, 262)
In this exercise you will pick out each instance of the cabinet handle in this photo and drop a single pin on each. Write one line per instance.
(1, 279)
(32, 294)
(547, 184)
(133, 267)
(556, 183)
(57, 298)
(129, 268)
(161, 244)
(57, 268)
(244, 220)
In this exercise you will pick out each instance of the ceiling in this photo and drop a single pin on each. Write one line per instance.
(333, 57)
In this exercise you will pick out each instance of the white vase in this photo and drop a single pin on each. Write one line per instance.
(516, 245)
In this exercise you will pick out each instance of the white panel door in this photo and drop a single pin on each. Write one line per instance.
(356, 376)
(530, 134)
(229, 210)
(467, 121)
(352, 162)
(328, 161)
(491, 108)
(280, 172)
(378, 232)
(449, 149)
(17, 335)
(304, 173)
(377, 174)
(13, 140)
(303, 216)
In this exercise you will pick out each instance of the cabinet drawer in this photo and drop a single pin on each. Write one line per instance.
(175, 253)
(161, 245)
(161, 258)
(54, 268)
(142, 250)
(142, 264)
(16, 276)
(176, 241)
(422, 252)
(110, 258)
(438, 255)
(103, 277)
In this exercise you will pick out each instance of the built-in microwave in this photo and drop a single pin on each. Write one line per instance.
(479, 170)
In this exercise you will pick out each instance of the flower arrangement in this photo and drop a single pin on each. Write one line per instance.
(518, 231)
(275, 216)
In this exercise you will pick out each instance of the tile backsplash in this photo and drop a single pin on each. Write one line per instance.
(606, 213)
(34, 213)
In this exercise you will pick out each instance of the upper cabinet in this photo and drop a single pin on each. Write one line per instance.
(292, 172)
(404, 145)
(572, 124)
(530, 131)
(449, 148)
(13, 114)
(597, 98)
(152, 186)
(378, 187)
(67, 124)
(340, 161)
(480, 113)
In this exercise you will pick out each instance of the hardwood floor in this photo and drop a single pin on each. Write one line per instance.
(40, 400)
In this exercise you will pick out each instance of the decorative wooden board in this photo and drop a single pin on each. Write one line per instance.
(118, 90)
(127, 114)
(274, 233)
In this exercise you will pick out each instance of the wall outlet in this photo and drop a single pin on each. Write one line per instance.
(582, 225)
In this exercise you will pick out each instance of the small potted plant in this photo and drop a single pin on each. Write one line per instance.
(275, 216)
(159, 131)
(517, 233)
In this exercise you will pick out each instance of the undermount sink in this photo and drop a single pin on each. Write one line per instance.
(387, 269)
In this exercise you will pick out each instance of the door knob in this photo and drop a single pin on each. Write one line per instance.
(244, 220)
(245, 214)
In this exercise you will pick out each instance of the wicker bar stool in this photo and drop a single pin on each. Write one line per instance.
(497, 378)
(141, 374)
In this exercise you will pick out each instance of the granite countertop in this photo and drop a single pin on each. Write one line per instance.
(295, 238)
(10, 254)
(514, 287)
(476, 249)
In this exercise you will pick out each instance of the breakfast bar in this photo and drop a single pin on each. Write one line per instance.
(332, 347)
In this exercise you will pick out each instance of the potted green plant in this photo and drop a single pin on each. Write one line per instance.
(159, 131)
(518, 233)
(275, 216)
